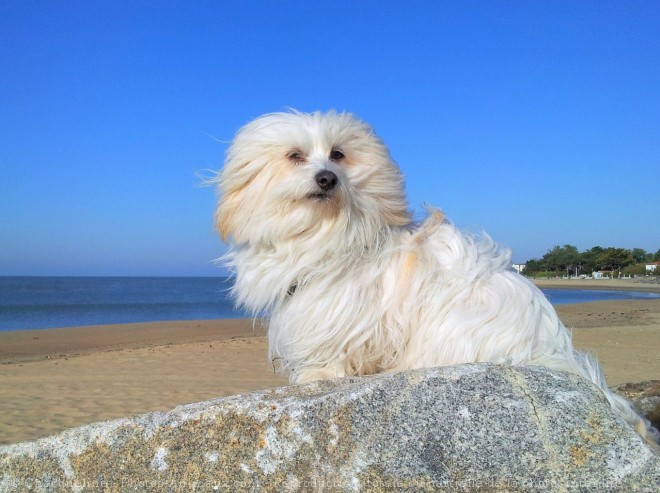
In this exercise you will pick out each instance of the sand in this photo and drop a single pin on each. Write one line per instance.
(55, 379)
(643, 285)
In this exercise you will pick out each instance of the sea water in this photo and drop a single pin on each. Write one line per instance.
(47, 302)
(50, 302)
(568, 296)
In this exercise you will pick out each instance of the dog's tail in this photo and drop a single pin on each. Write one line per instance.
(592, 371)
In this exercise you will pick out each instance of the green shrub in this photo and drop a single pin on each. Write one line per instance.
(634, 270)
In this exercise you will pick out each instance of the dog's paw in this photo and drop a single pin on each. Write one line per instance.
(315, 374)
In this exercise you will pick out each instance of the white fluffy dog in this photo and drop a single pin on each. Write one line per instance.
(323, 243)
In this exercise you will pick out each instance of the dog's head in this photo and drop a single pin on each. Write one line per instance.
(293, 175)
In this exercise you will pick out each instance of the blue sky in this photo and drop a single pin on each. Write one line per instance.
(538, 122)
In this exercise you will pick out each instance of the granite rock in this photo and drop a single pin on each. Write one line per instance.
(467, 428)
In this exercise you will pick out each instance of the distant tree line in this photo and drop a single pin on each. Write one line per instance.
(568, 261)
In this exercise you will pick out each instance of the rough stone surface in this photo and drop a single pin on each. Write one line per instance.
(645, 396)
(468, 428)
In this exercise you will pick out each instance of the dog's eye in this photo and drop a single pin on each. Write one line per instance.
(296, 156)
(336, 155)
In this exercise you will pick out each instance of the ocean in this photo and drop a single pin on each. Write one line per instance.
(51, 302)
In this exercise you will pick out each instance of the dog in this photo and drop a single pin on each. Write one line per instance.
(323, 243)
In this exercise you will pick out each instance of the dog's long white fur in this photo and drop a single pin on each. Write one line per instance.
(352, 286)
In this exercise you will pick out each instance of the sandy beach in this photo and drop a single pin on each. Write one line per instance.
(55, 379)
(642, 285)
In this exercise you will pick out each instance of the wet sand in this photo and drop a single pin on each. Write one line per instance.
(55, 379)
(601, 284)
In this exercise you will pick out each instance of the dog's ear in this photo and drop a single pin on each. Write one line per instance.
(230, 203)
(225, 215)
(223, 220)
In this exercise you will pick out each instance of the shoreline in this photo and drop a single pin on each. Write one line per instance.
(153, 332)
(598, 284)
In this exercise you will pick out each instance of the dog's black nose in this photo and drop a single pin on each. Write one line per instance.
(326, 180)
